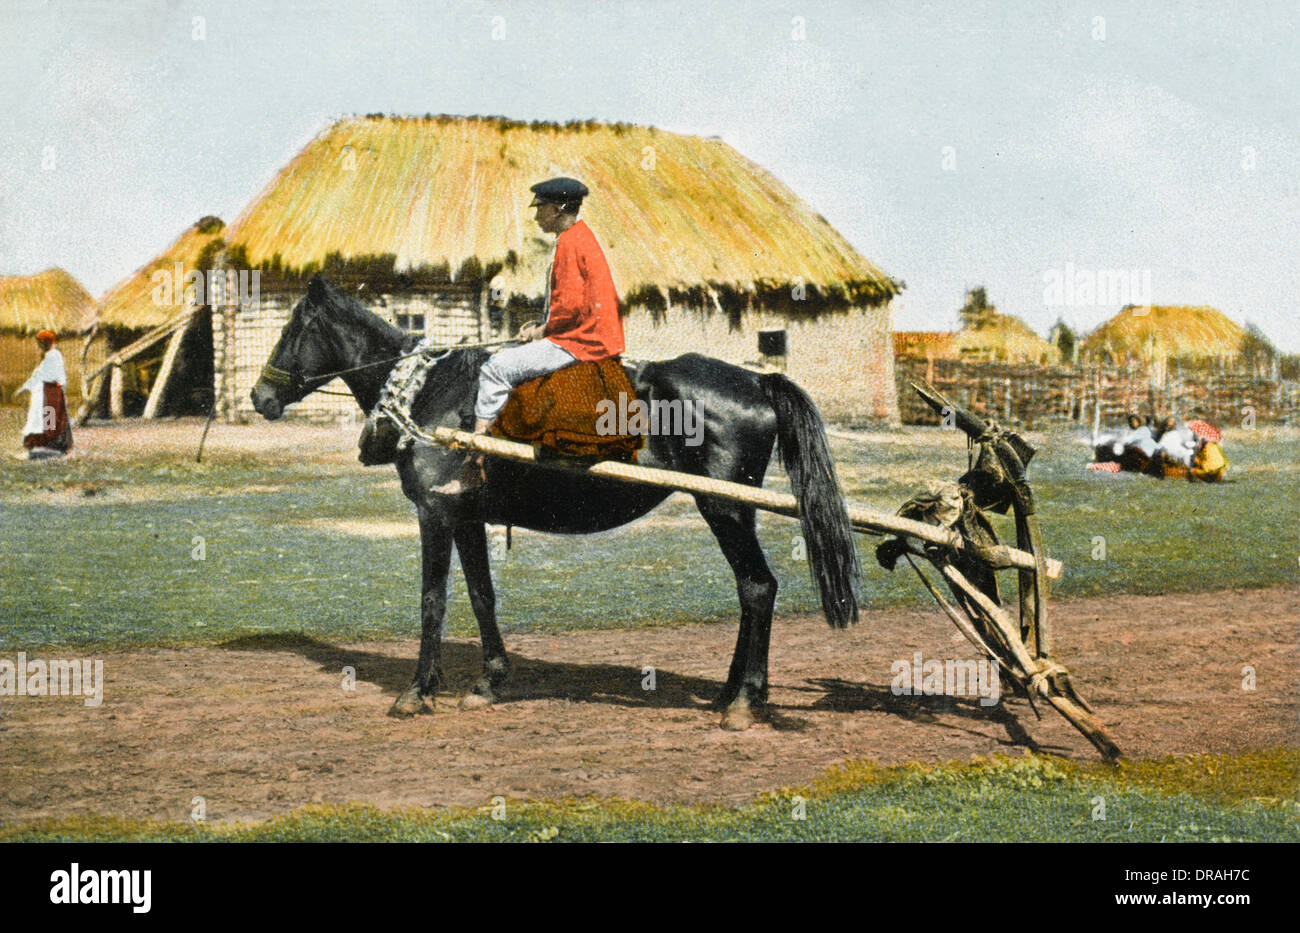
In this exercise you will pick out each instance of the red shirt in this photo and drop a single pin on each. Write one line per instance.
(584, 303)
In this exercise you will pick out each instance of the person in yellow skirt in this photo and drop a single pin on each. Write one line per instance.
(1208, 462)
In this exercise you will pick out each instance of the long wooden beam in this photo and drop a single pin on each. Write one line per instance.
(863, 519)
(143, 343)
(164, 373)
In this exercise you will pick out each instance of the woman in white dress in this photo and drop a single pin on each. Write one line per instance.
(47, 427)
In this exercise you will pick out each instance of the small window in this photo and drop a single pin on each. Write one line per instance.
(773, 341)
(411, 323)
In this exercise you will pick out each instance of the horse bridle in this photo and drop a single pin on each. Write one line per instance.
(273, 375)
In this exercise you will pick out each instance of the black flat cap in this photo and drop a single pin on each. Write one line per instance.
(558, 191)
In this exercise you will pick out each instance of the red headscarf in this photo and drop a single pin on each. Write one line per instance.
(47, 336)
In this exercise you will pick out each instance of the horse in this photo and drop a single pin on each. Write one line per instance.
(746, 414)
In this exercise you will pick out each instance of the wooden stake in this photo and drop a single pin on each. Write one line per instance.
(484, 322)
(116, 406)
(92, 400)
(164, 373)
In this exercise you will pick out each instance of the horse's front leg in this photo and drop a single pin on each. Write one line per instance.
(436, 542)
(471, 544)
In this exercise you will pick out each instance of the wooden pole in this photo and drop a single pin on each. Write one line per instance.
(1096, 410)
(164, 373)
(93, 401)
(863, 519)
(484, 322)
(116, 405)
(229, 359)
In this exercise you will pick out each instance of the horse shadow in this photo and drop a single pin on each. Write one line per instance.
(621, 685)
(530, 678)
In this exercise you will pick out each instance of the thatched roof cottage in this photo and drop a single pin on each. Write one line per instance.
(49, 300)
(1004, 338)
(1001, 338)
(925, 345)
(151, 348)
(428, 220)
(1158, 334)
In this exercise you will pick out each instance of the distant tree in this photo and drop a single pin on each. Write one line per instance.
(977, 312)
(1065, 339)
(1257, 351)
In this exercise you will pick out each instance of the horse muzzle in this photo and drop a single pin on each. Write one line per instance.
(266, 402)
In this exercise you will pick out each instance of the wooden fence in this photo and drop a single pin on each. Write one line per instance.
(1036, 396)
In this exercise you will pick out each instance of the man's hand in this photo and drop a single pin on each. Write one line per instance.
(531, 332)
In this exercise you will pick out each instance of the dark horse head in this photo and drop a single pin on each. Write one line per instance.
(329, 334)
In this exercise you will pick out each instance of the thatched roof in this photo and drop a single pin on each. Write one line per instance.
(131, 303)
(1005, 338)
(925, 344)
(1163, 332)
(451, 193)
(49, 300)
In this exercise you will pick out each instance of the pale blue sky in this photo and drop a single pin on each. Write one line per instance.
(1122, 152)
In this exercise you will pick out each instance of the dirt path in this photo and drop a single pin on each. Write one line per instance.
(259, 729)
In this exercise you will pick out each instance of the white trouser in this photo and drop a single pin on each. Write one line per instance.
(509, 367)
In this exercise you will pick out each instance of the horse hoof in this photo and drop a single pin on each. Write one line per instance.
(738, 717)
(475, 701)
(409, 704)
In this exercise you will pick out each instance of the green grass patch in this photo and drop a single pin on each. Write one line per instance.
(1034, 798)
(117, 568)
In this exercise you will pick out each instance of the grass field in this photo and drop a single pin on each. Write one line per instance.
(1000, 800)
(315, 543)
(279, 531)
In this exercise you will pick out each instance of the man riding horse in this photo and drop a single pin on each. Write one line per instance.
(581, 322)
(331, 334)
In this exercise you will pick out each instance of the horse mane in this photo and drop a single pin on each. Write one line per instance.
(452, 382)
(339, 304)
(451, 386)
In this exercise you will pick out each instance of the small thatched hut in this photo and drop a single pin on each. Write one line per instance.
(428, 220)
(151, 349)
(1157, 335)
(926, 345)
(49, 300)
(1004, 338)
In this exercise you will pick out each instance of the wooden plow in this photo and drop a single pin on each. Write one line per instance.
(945, 525)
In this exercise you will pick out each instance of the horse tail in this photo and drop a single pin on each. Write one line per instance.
(827, 531)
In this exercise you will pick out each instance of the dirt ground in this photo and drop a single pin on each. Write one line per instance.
(260, 728)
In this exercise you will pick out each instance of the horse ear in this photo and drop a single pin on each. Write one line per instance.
(316, 288)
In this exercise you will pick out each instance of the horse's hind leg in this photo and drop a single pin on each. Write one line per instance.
(745, 693)
(435, 540)
(471, 544)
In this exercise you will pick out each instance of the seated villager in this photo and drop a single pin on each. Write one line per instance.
(1209, 462)
(1176, 445)
(1140, 436)
(1106, 448)
(47, 432)
(581, 322)
(1132, 449)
